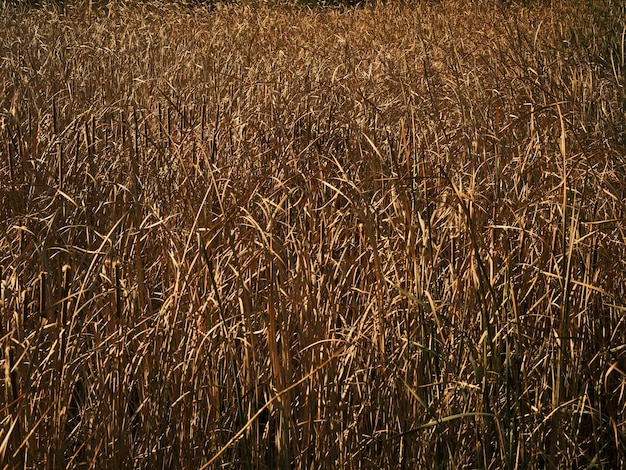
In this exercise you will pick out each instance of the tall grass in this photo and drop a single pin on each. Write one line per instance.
(266, 236)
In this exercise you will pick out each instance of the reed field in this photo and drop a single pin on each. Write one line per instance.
(264, 235)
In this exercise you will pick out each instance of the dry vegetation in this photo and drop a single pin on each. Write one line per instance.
(264, 236)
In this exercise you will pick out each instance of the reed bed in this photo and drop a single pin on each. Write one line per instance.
(277, 236)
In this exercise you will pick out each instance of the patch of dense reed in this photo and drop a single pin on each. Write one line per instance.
(261, 236)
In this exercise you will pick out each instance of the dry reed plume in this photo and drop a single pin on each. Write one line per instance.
(263, 236)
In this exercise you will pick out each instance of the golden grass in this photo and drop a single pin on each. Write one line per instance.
(264, 236)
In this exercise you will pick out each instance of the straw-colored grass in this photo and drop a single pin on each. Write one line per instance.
(262, 236)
